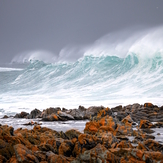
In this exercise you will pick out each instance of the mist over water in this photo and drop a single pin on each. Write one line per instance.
(119, 68)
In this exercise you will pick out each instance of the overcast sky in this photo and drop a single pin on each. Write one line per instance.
(50, 25)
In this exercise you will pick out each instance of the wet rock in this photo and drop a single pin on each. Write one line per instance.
(5, 116)
(65, 116)
(52, 117)
(34, 114)
(32, 123)
(122, 137)
(158, 124)
(23, 154)
(148, 131)
(21, 115)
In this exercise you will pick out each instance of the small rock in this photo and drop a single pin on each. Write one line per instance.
(5, 116)
(21, 115)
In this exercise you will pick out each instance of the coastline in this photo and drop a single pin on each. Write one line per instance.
(132, 133)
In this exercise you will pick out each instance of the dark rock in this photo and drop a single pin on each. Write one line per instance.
(21, 115)
(66, 148)
(5, 116)
(6, 149)
(3, 159)
(32, 123)
(64, 109)
(52, 110)
(92, 111)
(121, 115)
(117, 108)
(148, 131)
(149, 105)
(77, 114)
(34, 114)
(52, 117)
(145, 124)
(46, 148)
(154, 145)
(41, 156)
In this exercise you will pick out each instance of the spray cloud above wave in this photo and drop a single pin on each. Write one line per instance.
(143, 43)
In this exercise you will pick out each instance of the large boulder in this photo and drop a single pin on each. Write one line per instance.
(34, 114)
(49, 111)
(52, 117)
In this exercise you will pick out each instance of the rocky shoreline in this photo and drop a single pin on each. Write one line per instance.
(106, 138)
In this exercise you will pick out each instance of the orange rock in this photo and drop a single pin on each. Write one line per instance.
(124, 144)
(127, 121)
(145, 124)
(66, 148)
(149, 105)
(106, 123)
(23, 154)
(103, 113)
(98, 154)
(54, 158)
(123, 130)
(13, 159)
(72, 133)
(91, 127)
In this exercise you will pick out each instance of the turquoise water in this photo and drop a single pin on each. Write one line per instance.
(91, 80)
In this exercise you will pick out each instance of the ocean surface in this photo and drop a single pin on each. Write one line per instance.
(105, 74)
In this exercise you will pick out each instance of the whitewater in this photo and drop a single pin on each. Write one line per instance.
(109, 72)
